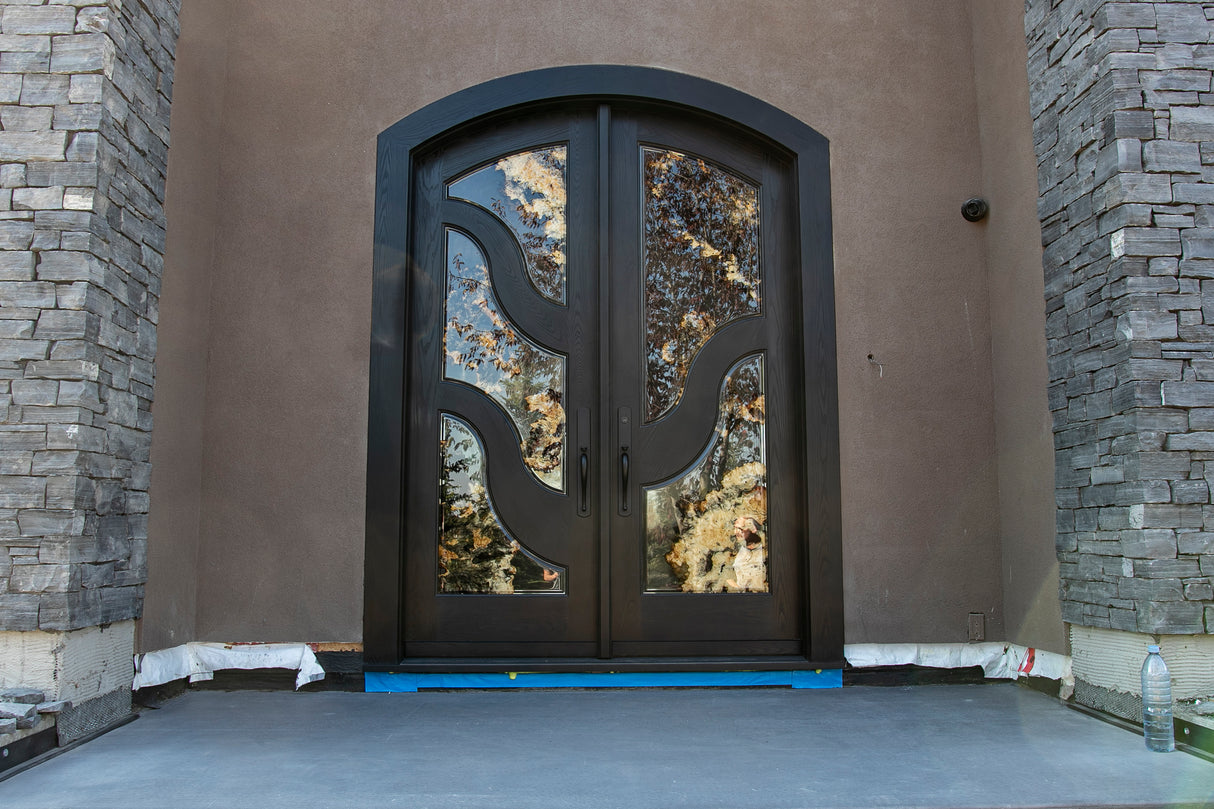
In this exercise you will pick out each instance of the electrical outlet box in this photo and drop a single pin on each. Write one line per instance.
(977, 626)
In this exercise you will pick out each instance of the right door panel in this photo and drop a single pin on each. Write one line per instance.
(706, 449)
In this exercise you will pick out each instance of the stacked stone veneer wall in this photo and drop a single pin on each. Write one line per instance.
(1124, 131)
(84, 111)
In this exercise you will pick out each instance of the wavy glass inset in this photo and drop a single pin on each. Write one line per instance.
(484, 350)
(527, 192)
(706, 531)
(475, 554)
(701, 243)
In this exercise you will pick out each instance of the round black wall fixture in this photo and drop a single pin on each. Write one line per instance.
(975, 209)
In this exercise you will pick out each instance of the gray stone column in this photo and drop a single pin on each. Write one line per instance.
(1124, 132)
(84, 111)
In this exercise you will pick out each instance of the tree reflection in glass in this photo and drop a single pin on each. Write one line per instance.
(705, 531)
(701, 264)
(527, 192)
(475, 554)
(484, 350)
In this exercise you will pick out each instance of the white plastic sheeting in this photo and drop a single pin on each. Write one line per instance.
(998, 660)
(200, 661)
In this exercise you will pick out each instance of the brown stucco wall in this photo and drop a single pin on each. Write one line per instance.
(192, 203)
(1024, 436)
(270, 215)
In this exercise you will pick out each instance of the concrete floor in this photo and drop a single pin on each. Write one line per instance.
(925, 746)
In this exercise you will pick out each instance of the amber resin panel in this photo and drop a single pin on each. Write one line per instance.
(527, 192)
(475, 553)
(484, 350)
(701, 258)
(706, 530)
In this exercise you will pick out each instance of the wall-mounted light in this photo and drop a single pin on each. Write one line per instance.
(975, 209)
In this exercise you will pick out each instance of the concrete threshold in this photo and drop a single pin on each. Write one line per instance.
(969, 746)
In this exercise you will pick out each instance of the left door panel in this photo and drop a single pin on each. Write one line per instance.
(500, 542)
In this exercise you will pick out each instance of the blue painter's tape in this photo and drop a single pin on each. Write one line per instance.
(381, 682)
(822, 678)
(378, 682)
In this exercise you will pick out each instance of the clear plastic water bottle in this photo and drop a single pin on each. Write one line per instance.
(1157, 703)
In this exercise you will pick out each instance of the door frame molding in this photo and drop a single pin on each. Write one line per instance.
(382, 588)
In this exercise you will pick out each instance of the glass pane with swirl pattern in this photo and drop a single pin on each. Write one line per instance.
(701, 247)
(475, 553)
(483, 349)
(527, 192)
(706, 530)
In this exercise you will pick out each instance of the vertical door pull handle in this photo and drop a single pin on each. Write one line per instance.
(584, 474)
(624, 505)
(625, 431)
(583, 461)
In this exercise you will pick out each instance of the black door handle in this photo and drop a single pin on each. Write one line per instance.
(625, 428)
(583, 461)
(584, 474)
(624, 505)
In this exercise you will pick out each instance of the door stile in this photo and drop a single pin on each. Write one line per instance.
(603, 453)
(823, 612)
(625, 355)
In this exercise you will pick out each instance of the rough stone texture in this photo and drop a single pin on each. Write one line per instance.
(27, 695)
(1124, 133)
(84, 110)
(17, 710)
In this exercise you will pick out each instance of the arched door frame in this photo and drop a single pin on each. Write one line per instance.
(382, 617)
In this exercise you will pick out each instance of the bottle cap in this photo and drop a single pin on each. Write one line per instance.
(1152, 649)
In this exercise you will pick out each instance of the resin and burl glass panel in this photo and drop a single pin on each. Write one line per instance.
(485, 350)
(527, 192)
(475, 553)
(701, 243)
(706, 530)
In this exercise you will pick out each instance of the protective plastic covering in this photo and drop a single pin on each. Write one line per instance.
(200, 661)
(998, 660)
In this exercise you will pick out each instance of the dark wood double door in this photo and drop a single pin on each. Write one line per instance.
(604, 445)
